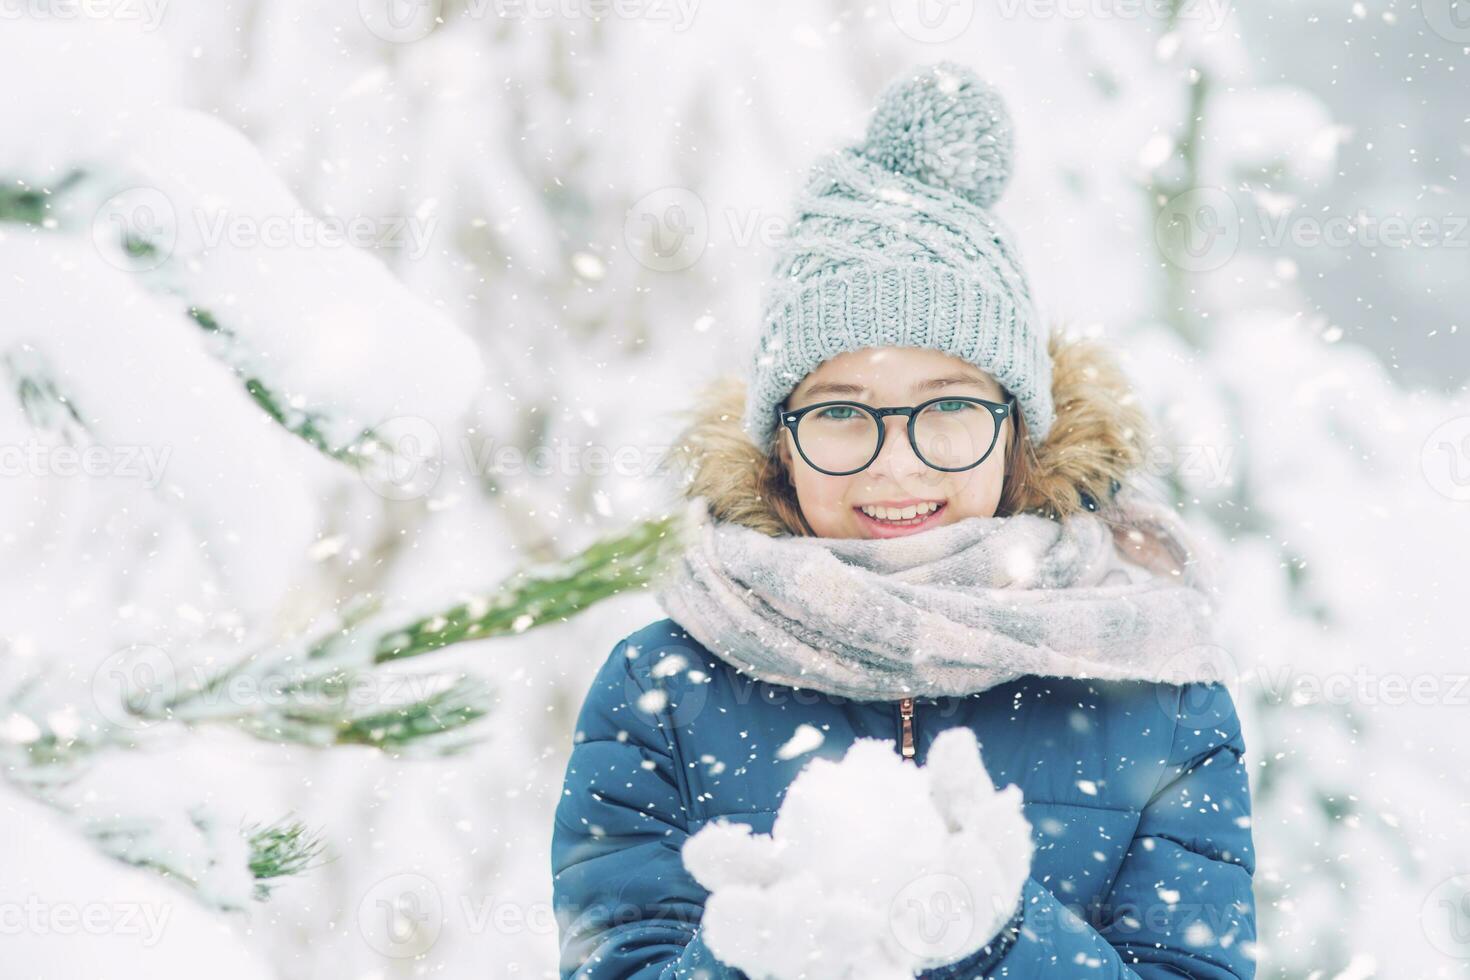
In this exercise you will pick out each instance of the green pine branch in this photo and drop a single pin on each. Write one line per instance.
(281, 850)
(307, 425)
(551, 593)
(23, 203)
(45, 406)
(325, 712)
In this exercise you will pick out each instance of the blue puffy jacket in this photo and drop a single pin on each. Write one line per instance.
(1136, 794)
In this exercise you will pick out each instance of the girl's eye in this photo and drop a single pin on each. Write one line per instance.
(838, 413)
(952, 406)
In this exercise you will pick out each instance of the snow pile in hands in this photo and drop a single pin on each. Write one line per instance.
(873, 867)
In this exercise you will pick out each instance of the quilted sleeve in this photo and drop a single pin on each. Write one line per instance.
(625, 905)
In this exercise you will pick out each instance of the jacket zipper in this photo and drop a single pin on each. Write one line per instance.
(906, 733)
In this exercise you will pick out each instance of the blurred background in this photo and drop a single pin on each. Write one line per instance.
(339, 345)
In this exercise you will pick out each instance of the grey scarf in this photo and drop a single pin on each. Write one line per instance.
(1120, 594)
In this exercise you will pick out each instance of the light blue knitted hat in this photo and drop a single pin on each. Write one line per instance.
(893, 244)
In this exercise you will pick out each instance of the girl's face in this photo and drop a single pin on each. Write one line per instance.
(840, 506)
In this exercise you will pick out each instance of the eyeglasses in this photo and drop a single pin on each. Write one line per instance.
(950, 434)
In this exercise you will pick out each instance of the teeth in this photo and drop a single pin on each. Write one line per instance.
(901, 513)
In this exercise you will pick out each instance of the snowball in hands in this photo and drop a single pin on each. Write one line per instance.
(874, 867)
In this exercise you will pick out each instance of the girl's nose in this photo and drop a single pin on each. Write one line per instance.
(897, 459)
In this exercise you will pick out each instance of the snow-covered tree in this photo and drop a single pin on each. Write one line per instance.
(199, 378)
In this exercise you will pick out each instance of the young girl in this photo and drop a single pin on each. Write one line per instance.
(915, 514)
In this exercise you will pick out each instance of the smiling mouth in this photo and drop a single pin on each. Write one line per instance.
(909, 515)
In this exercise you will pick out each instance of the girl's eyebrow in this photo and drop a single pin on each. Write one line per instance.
(929, 384)
(833, 388)
(933, 384)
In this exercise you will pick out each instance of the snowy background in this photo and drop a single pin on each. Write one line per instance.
(338, 343)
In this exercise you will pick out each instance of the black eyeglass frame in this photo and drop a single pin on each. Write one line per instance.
(999, 411)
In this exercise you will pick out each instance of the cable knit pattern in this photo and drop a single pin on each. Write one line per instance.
(892, 243)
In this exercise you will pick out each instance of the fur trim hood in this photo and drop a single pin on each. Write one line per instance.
(1099, 437)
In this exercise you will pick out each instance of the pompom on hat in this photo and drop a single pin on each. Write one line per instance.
(893, 244)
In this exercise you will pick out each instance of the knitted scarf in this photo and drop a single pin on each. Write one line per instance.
(960, 608)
